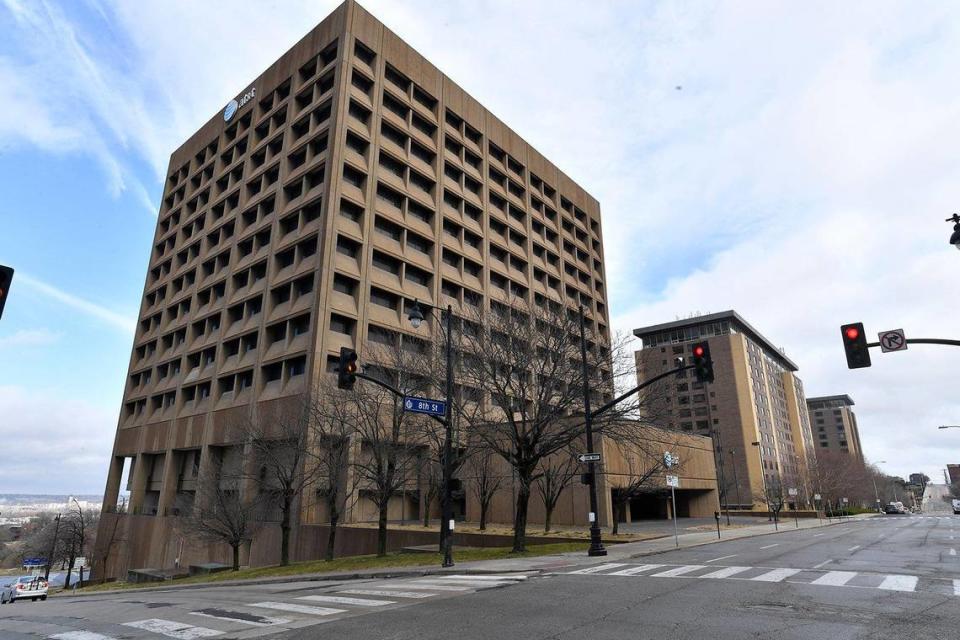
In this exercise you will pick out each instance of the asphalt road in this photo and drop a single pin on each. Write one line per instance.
(891, 577)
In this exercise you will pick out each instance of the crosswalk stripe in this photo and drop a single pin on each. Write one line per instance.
(835, 578)
(726, 572)
(172, 629)
(477, 584)
(80, 635)
(432, 586)
(298, 608)
(899, 583)
(632, 571)
(387, 592)
(776, 575)
(678, 571)
(598, 568)
(265, 621)
(492, 578)
(357, 602)
(956, 587)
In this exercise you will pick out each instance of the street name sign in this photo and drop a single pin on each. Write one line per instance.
(34, 562)
(589, 457)
(844, 500)
(673, 481)
(425, 405)
(893, 340)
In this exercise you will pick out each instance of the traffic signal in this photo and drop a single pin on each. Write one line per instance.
(347, 369)
(702, 363)
(6, 277)
(855, 345)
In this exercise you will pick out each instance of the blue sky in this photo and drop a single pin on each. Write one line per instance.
(799, 174)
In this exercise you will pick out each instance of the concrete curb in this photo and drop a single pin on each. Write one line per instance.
(398, 572)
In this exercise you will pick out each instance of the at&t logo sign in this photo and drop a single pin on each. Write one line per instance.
(234, 105)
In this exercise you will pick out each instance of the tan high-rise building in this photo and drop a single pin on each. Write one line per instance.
(347, 180)
(756, 397)
(834, 425)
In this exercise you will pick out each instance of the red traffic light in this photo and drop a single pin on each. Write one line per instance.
(698, 351)
(852, 333)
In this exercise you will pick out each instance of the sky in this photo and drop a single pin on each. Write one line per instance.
(794, 162)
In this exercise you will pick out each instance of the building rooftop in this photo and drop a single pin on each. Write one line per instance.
(847, 400)
(742, 325)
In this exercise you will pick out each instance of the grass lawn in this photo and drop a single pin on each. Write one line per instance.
(355, 563)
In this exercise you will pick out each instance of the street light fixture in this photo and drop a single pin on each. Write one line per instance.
(955, 236)
(949, 426)
(415, 315)
(763, 477)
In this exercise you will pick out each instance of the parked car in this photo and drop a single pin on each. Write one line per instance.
(32, 587)
(6, 592)
(892, 509)
(956, 507)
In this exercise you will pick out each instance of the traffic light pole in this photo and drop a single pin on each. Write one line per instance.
(596, 541)
(952, 343)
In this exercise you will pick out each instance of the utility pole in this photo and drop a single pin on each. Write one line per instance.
(53, 547)
(596, 541)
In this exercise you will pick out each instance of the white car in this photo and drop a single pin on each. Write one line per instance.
(32, 587)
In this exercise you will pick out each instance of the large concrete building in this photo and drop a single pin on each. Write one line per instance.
(756, 398)
(347, 180)
(834, 425)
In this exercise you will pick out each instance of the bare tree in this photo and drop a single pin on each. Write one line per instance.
(555, 476)
(76, 528)
(334, 425)
(223, 512)
(484, 481)
(527, 366)
(391, 438)
(284, 456)
(645, 471)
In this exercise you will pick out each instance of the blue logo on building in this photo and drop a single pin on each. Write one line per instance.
(231, 109)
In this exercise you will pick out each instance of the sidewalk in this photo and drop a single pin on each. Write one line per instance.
(615, 552)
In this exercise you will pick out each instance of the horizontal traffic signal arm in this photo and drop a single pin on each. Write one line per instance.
(638, 388)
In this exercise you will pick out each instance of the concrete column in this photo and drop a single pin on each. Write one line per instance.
(168, 487)
(139, 484)
(206, 461)
(114, 477)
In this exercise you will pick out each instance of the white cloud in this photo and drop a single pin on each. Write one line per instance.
(29, 338)
(52, 444)
(92, 309)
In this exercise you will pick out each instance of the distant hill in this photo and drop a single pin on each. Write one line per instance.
(23, 499)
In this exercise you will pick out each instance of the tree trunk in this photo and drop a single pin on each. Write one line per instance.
(66, 581)
(547, 518)
(520, 519)
(236, 556)
(484, 505)
(332, 536)
(285, 531)
(382, 529)
(426, 509)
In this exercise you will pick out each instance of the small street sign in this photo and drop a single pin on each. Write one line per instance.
(791, 491)
(816, 496)
(844, 500)
(425, 405)
(673, 481)
(893, 341)
(589, 457)
(670, 460)
(34, 562)
(80, 562)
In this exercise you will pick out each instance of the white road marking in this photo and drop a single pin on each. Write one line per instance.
(388, 593)
(678, 571)
(770, 546)
(899, 583)
(953, 552)
(494, 577)
(632, 571)
(266, 621)
(835, 578)
(477, 584)
(824, 563)
(723, 557)
(726, 572)
(79, 635)
(776, 575)
(817, 535)
(599, 567)
(956, 587)
(854, 547)
(430, 586)
(357, 602)
(172, 629)
(298, 608)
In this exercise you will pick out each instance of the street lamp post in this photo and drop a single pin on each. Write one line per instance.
(736, 480)
(53, 547)
(876, 494)
(446, 507)
(763, 477)
(596, 542)
(949, 426)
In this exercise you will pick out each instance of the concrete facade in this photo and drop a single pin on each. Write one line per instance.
(756, 397)
(346, 181)
(834, 425)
